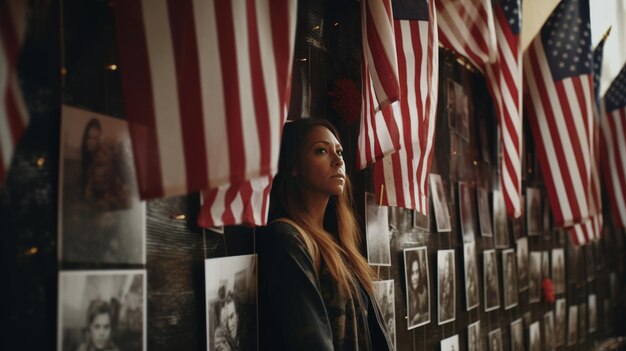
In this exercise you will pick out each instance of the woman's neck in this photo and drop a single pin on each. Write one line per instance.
(316, 207)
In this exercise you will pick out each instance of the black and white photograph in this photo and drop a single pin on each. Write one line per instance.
(384, 295)
(534, 283)
(522, 262)
(509, 279)
(495, 340)
(500, 221)
(471, 276)
(559, 322)
(466, 211)
(484, 217)
(545, 264)
(491, 282)
(533, 211)
(421, 221)
(101, 218)
(231, 302)
(417, 281)
(446, 296)
(458, 109)
(548, 330)
(450, 344)
(473, 337)
(582, 327)
(440, 204)
(572, 325)
(534, 337)
(517, 335)
(102, 310)
(377, 232)
(558, 270)
(593, 313)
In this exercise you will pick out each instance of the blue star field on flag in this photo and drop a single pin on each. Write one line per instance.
(511, 11)
(410, 10)
(615, 97)
(597, 69)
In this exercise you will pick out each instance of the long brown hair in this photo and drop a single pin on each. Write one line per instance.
(337, 244)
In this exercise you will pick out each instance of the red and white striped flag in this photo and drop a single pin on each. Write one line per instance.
(403, 176)
(206, 88)
(559, 99)
(13, 113)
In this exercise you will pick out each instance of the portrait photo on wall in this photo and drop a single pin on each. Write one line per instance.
(558, 270)
(484, 217)
(517, 335)
(384, 294)
(582, 327)
(440, 203)
(417, 281)
(511, 292)
(495, 340)
(450, 344)
(500, 221)
(572, 325)
(545, 264)
(102, 310)
(534, 283)
(491, 282)
(548, 330)
(446, 296)
(467, 213)
(231, 302)
(593, 313)
(473, 337)
(559, 322)
(471, 276)
(377, 232)
(533, 211)
(421, 221)
(522, 262)
(100, 217)
(534, 337)
(458, 109)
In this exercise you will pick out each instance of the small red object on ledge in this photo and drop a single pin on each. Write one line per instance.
(548, 290)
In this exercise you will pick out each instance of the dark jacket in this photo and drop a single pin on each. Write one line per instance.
(301, 310)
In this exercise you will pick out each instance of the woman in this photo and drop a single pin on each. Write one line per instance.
(314, 286)
(88, 148)
(99, 325)
(418, 294)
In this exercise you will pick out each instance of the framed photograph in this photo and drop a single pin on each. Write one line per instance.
(466, 210)
(450, 344)
(558, 270)
(471, 276)
(533, 211)
(559, 322)
(446, 298)
(491, 283)
(482, 196)
(572, 325)
(545, 264)
(590, 263)
(440, 204)
(377, 232)
(384, 295)
(101, 218)
(500, 221)
(495, 340)
(534, 284)
(473, 337)
(457, 108)
(231, 302)
(417, 281)
(511, 292)
(102, 310)
(421, 221)
(593, 313)
(548, 330)
(582, 329)
(535, 337)
(517, 335)
(522, 262)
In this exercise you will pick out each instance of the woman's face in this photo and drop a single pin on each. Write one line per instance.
(100, 330)
(93, 139)
(322, 169)
(415, 275)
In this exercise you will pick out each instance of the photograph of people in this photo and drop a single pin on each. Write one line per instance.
(440, 203)
(482, 196)
(377, 232)
(495, 340)
(471, 276)
(582, 329)
(534, 284)
(533, 211)
(500, 221)
(558, 270)
(466, 208)
(473, 337)
(522, 262)
(548, 330)
(384, 293)
(593, 313)
(312, 270)
(101, 310)
(446, 288)
(572, 325)
(517, 335)
(545, 264)
(535, 337)
(450, 344)
(559, 322)
(101, 218)
(491, 283)
(510, 279)
(417, 281)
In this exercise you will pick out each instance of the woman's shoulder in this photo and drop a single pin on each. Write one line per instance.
(281, 234)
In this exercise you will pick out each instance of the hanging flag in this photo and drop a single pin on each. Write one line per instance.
(504, 80)
(206, 88)
(559, 101)
(13, 113)
(403, 176)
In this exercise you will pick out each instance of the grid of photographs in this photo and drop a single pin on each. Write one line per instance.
(535, 337)
(473, 337)
(491, 284)
(446, 298)
(558, 270)
(522, 262)
(548, 330)
(534, 284)
(559, 322)
(500, 221)
(495, 340)
(517, 335)
(511, 294)
(418, 286)
(471, 276)
(572, 326)
(440, 204)
(484, 217)
(384, 295)
(377, 232)
(533, 211)
(466, 211)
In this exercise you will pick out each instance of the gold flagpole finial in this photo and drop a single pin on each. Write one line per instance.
(606, 34)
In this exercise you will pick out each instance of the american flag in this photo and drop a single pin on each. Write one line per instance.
(504, 79)
(206, 88)
(613, 124)
(404, 173)
(13, 113)
(559, 99)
